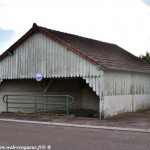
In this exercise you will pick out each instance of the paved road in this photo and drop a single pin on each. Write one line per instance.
(67, 138)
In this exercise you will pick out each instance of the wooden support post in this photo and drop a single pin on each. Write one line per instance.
(101, 107)
(47, 87)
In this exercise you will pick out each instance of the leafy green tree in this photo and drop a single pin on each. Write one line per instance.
(146, 57)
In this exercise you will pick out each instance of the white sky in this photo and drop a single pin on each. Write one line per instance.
(123, 22)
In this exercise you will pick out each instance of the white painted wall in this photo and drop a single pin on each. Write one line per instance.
(114, 105)
(125, 92)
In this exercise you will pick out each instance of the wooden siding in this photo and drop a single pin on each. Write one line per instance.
(126, 83)
(39, 54)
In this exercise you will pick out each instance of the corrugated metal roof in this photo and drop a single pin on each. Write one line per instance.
(108, 56)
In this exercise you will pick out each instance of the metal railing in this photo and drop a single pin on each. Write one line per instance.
(39, 102)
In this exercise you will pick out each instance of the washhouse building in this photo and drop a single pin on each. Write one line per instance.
(99, 76)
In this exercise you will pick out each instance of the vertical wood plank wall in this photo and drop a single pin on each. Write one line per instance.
(39, 54)
(126, 92)
(126, 83)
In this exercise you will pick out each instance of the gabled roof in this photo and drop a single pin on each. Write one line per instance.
(106, 55)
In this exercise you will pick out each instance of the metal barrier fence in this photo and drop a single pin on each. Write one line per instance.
(39, 102)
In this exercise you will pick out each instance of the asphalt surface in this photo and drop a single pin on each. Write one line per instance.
(68, 138)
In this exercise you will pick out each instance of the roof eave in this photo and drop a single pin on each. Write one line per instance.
(126, 70)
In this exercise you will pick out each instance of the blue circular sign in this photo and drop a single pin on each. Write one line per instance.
(38, 77)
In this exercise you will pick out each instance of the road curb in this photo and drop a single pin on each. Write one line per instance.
(78, 125)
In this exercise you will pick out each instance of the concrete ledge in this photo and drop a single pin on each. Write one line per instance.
(78, 125)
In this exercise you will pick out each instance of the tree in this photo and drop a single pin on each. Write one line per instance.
(146, 58)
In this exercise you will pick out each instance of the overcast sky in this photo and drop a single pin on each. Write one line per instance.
(123, 22)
